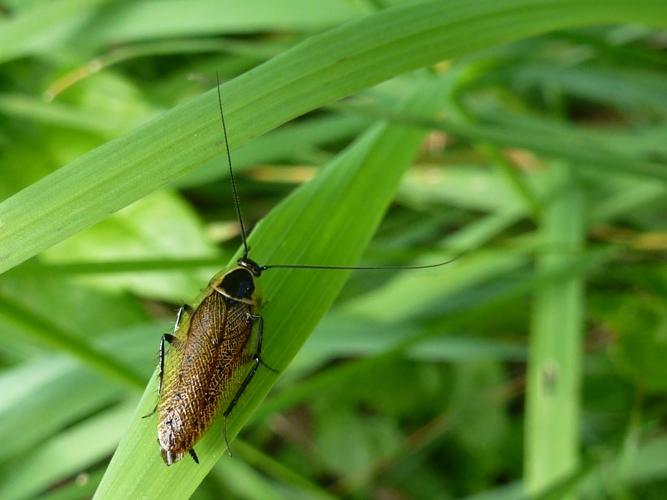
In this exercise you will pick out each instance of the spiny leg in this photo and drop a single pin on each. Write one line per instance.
(184, 309)
(256, 358)
(169, 338)
(260, 337)
(244, 385)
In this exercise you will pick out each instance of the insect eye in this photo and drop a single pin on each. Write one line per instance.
(239, 284)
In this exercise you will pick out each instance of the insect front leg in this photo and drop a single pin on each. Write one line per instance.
(167, 337)
(184, 309)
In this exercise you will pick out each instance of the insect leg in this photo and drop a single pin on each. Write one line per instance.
(237, 396)
(224, 433)
(184, 309)
(244, 385)
(194, 455)
(256, 358)
(169, 338)
(260, 337)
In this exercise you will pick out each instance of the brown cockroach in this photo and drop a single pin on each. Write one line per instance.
(213, 353)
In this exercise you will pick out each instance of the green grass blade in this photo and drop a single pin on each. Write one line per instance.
(38, 25)
(48, 333)
(554, 366)
(264, 462)
(122, 266)
(319, 71)
(647, 466)
(359, 185)
(65, 390)
(594, 152)
(82, 487)
(63, 23)
(58, 114)
(79, 447)
(244, 481)
(280, 144)
(155, 20)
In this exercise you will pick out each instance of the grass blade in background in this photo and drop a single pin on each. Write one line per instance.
(39, 28)
(377, 402)
(554, 366)
(357, 186)
(316, 72)
(51, 335)
(53, 460)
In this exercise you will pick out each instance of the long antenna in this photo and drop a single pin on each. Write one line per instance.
(237, 204)
(356, 268)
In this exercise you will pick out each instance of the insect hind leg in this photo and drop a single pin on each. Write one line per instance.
(224, 433)
(256, 359)
(244, 385)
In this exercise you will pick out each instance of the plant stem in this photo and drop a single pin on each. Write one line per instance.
(554, 368)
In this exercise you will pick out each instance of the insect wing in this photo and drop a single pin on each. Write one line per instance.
(204, 368)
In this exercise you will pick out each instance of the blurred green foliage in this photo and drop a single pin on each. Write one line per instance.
(534, 365)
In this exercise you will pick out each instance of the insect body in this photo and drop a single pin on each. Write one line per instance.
(214, 354)
(204, 373)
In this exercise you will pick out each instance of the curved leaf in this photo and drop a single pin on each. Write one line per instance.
(358, 186)
(318, 71)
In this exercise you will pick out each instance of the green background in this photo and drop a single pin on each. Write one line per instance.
(524, 137)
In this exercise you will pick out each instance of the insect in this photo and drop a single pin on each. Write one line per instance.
(212, 356)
